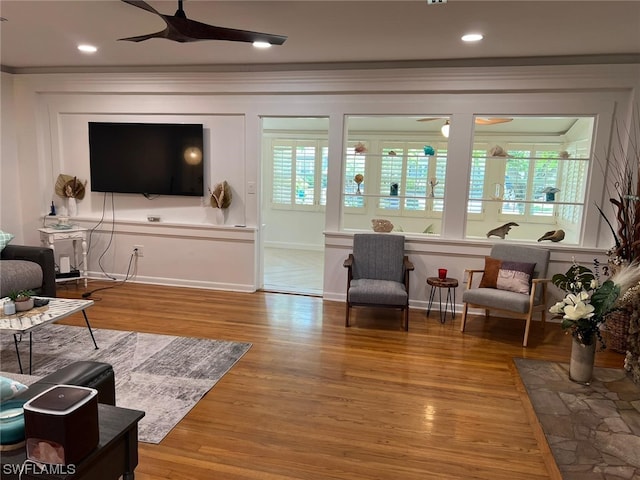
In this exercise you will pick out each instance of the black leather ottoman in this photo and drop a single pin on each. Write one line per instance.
(83, 374)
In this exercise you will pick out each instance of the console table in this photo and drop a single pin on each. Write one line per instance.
(115, 456)
(50, 235)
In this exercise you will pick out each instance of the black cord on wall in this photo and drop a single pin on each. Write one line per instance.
(127, 277)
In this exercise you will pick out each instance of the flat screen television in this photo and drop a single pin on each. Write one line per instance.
(146, 158)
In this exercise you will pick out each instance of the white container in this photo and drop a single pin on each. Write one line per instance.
(9, 308)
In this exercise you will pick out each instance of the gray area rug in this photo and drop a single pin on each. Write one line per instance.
(593, 430)
(161, 374)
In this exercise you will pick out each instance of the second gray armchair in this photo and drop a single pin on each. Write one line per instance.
(378, 273)
(513, 282)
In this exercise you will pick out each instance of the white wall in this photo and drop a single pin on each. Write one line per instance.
(224, 160)
(10, 207)
(293, 229)
(188, 248)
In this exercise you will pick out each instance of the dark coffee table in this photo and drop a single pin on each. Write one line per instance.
(115, 456)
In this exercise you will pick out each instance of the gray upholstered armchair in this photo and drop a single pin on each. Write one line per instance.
(513, 281)
(378, 273)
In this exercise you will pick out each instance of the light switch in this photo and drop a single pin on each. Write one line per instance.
(251, 187)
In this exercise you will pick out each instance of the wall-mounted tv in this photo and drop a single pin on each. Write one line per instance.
(146, 158)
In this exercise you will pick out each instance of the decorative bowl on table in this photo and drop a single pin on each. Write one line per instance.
(24, 305)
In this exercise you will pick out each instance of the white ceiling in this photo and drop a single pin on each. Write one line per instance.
(41, 36)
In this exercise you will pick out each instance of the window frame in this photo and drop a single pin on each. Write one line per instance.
(533, 160)
(320, 171)
(549, 158)
(374, 190)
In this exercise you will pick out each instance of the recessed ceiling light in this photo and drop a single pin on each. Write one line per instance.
(472, 37)
(262, 44)
(87, 48)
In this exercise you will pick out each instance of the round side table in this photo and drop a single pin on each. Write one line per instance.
(438, 283)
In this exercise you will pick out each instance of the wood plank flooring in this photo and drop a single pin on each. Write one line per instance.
(315, 400)
(291, 270)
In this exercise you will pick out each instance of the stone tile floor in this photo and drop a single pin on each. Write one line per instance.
(593, 430)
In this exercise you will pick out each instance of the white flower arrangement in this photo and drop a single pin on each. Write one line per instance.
(587, 302)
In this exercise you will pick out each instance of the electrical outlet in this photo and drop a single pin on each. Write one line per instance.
(138, 250)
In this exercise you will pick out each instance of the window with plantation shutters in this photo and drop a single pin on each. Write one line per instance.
(534, 175)
(416, 179)
(305, 166)
(411, 183)
(516, 179)
(440, 180)
(324, 172)
(282, 174)
(477, 181)
(355, 164)
(544, 177)
(533, 182)
(299, 173)
(572, 183)
(530, 172)
(392, 168)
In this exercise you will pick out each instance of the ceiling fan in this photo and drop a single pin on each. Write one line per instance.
(478, 120)
(181, 29)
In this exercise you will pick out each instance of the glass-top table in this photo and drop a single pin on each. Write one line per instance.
(21, 323)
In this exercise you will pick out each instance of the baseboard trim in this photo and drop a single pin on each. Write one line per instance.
(179, 282)
(295, 246)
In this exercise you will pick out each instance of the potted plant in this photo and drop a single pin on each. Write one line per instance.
(22, 299)
(584, 309)
(624, 193)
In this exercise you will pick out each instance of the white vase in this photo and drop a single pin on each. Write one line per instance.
(582, 359)
(72, 207)
(219, 216)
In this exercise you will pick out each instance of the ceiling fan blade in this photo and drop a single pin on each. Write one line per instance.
(478, 120)
(182, 29)
(142, 38)
(491, 120)
(143, 5)
(195, 30)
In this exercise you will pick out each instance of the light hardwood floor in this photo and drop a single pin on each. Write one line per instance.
(293, 271)
(315, 400)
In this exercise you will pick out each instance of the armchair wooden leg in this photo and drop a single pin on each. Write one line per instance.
(464, 316)
(526, 329)
(346, 321)
(406, 318)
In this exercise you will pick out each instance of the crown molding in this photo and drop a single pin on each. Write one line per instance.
(595, 59)
(355, 81)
